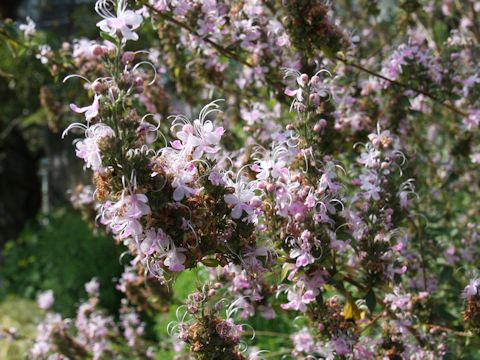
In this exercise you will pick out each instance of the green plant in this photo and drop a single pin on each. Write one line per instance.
(62, 256)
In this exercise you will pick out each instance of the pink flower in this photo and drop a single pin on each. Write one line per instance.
(181, 184)
(209, 138)
(200, 136)
(303, 342)
(45, 300)
(90, 111)
(471, 289)
(269, 167)
(303, 257)
(340, 346)
(124, 21)
(240, 199)
(127, 212)
(92, 287)
(399, 301)
(154, 240)
(88, 150)
(472, 121)
(298, 301)
(161, 5)
(174, 258)
(370, 186)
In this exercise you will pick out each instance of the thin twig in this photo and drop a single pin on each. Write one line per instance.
(405, 86)
(450, 331)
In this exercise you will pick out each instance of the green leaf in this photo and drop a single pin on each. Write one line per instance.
(108, 37)
(12, 46)
(446, 274)
(328, 52)
(210, 262)
(371, 300)
(440, 32)
(285, 270)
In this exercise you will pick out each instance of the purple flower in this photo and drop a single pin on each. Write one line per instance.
(471, 290)
(303, 257)
(303, 342)
(399, 301)
(174, 258)
(154, 240)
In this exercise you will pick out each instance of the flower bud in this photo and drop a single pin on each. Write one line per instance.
(376, 142)
(317, 127)
(270, 187)
(97, 50)
(97, 86)
(192, 309)
(138, 81)
(299, 217)
(305, 236)
(197, 296)
(128, 57)
(315, 80)
(300, 107)
(262, 185)
(303, 79)
(290, 127)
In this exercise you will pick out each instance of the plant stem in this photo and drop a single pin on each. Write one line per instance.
(405, 86)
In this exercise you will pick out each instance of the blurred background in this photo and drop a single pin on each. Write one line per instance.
(44, 242)
(35, 166)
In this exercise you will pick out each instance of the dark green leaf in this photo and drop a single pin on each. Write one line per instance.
(371, 300)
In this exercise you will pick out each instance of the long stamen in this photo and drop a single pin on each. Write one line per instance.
(104, 8)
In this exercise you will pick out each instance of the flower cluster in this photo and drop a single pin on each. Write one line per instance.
(202, 328)
(91, 334)
(316, 201)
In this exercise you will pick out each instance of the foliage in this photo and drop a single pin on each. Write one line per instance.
(61, 255)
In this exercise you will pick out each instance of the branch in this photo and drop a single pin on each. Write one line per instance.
(405, 86)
